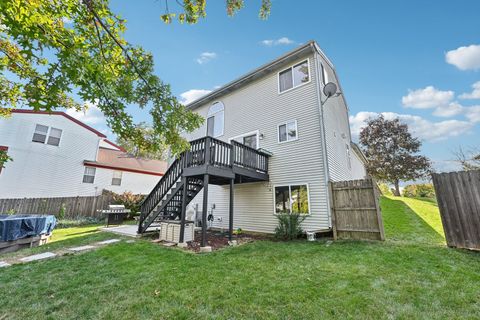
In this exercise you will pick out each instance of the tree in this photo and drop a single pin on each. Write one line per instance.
(54, 51)
(138, 151)
(469, 160)
(392, 152)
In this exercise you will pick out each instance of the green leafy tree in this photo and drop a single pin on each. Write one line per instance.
(54, 50)
(392, 152)
(160, 153)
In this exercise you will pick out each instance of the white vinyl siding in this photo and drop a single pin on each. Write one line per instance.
(258, 106)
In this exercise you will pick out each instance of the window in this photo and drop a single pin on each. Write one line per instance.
(89, 175)
(117, 178)
(287, 131)
(292, 199)
(40, 134)
(349, 161)
(215, 120)
(54, 136)
(324, 75)
(293, 76)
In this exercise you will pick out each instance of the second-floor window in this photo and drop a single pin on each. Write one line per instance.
(287, 131)
(117, 178)
(89, 175)
(45, 134)
(215, 120)
(293, 76)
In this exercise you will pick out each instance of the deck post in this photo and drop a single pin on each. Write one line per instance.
(184, 209)
(230, 218)
(204, 210)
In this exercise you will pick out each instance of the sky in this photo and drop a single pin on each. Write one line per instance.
(416, 60)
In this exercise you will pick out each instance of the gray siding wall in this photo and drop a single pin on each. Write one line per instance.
(259, 106)
(337, 133)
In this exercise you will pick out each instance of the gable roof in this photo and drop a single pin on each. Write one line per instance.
(289, 57)
(61, 113)
(122, 161)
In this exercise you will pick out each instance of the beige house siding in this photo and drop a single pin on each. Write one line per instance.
(259, 106)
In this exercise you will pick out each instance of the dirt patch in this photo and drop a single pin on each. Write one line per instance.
(218, 240)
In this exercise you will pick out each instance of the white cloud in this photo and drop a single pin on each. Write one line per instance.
(473, 113)
(277, 42)
(428, 97)
(192, 95)
(418, 126)
(91, 115)
(475, 94)
(450, 110)
(206, 57)
(465, 58)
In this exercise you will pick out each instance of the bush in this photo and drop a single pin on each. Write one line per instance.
(130, 201)
(385, 189)
(78, 222)
(289, 226)
(423, 190)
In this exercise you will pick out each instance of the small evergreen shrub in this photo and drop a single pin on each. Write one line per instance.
(289, 226)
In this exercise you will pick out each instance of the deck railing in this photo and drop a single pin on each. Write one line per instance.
(205, 151)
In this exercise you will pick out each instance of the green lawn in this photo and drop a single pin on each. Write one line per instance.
(411, 275)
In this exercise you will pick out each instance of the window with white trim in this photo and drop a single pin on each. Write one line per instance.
(216, 120)
(292, 199)
(54, 137)
(89, 175)
(293, 76)
(287, 131)
(324, 75)
(117, 178)
(42, 132)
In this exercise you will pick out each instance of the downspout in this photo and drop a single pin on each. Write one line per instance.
(324, 139)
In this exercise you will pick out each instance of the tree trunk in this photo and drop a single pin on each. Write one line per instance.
(397, 189)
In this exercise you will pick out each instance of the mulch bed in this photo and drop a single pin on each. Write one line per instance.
(219, 240)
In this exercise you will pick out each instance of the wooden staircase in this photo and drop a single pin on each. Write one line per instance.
(210, 160)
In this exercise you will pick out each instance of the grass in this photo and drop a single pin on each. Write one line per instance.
(411, 275)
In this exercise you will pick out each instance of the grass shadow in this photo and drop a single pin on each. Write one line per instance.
(403, 222)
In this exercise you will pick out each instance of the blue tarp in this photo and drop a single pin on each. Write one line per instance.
(13, 227)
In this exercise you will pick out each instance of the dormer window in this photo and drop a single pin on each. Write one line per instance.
(294, 76)
(215, 120)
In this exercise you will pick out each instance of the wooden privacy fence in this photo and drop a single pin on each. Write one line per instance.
(458, 198)
(73, 206)
(355, 210)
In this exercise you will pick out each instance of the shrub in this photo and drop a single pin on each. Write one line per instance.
(384, 189)
(423, 190)
(61, 212)
(130, 201)
(289, 226)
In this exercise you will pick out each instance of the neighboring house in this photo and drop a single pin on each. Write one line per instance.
(56, 155)
(277, 110)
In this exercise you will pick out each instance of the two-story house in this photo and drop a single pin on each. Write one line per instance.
(56, 155)
(274, 141)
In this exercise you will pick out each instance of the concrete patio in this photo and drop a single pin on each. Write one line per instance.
(129, 230)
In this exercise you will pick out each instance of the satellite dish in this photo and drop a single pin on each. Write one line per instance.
(330, 89)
